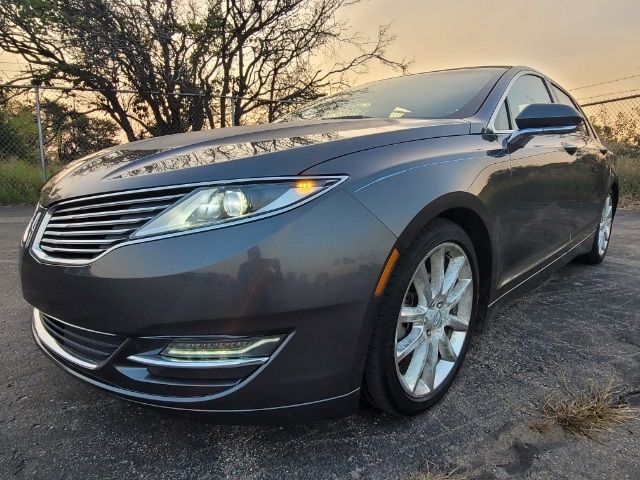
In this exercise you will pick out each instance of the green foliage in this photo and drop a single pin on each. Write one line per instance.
(20, 182)
(70, 135)
(18, 134)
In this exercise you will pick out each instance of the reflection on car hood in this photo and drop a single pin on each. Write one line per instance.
(277, 149)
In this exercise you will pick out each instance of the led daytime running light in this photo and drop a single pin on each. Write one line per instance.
(221, 348)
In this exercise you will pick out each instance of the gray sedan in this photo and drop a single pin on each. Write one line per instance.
(283, 272)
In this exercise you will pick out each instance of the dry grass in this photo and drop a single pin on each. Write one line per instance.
(587, 413)
(629, 172)
(628, 204)
(540, 426)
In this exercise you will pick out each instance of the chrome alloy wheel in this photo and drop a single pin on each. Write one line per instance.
(434, 319)
(604, 230)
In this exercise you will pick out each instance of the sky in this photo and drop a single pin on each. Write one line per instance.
(575, 42)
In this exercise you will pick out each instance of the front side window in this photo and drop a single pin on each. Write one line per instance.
(502, 119)
(444, 94)
(526, 90)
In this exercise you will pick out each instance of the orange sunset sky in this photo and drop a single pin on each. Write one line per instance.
(576, 42)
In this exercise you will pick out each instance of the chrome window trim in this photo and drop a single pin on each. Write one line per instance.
(491, 125)
(43, 257)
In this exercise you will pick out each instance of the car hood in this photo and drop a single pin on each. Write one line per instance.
(277, 149)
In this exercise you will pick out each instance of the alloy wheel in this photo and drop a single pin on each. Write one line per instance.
(434, 320)
(604, 230)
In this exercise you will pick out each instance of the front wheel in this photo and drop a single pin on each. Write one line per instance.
(425, 321)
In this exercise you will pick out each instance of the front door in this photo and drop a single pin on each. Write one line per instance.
(541, 218)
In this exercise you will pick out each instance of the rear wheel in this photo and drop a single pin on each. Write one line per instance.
(603, 235)
(425, 322)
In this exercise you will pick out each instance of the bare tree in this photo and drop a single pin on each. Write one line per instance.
(174, 56)
(275, 44)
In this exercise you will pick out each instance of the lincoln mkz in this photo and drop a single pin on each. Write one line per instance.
(282, 272)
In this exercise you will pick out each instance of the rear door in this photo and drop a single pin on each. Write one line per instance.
(588, 172)
(541, 218)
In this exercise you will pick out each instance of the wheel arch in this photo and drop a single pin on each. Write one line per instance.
(615, 188)
(468, 212)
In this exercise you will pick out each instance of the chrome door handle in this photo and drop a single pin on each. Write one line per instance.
(570, 148)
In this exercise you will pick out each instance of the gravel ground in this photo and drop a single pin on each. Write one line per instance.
(583, 323)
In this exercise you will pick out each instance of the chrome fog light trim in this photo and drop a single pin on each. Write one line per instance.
(160, 361)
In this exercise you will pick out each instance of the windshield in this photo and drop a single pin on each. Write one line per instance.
(444, 94)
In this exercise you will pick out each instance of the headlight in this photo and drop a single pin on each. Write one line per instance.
(220, 205)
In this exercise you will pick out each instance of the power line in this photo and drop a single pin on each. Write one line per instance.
(605, 83)
(610, 93)
(610, 100)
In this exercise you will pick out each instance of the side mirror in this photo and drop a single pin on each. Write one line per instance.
(544, 119)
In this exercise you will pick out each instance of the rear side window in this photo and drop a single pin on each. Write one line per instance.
(563, 97)
(526, 90)
(566, 100)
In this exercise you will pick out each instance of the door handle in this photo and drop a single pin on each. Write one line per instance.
(570, 148)
(604, 150)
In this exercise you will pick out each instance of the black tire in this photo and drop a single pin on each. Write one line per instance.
(594, 256)
(381, 383)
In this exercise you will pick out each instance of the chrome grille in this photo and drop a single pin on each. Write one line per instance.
(78, 231)
(88, 345)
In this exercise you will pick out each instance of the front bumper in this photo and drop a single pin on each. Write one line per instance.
(313, 284)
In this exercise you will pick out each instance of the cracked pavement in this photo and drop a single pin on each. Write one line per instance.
(581, 324)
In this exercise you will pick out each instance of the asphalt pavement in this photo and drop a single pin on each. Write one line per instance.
(581, 324)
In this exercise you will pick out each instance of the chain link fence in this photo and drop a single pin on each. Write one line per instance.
(48, 127)
(617, 121)
(44, 128)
